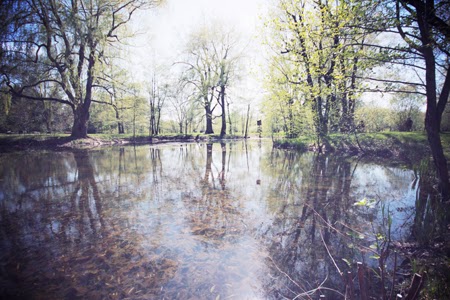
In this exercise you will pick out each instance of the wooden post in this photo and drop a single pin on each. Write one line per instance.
(414, 289)
(362, 281)
(246, 123)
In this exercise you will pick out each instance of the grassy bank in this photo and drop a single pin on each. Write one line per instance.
(409, 145)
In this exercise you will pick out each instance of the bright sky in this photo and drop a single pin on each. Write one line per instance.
(163, 31)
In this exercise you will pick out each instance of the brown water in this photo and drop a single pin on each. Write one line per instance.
(193, 221)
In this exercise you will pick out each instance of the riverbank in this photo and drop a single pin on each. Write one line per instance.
(59, 142)
(405, 146)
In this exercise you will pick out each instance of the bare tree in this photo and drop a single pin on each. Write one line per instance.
(157, 94)
(184, 105)
(211, 63)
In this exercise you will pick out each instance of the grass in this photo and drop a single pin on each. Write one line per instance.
(300, 143)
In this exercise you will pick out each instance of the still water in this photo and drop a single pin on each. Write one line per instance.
(193, 221)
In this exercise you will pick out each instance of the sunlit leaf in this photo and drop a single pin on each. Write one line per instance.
(363, 202)
(347, 262)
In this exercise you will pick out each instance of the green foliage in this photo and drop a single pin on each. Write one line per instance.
(376, 119)
(323, 53)
(21, 116)
(301, 143)
(285, 111)
(408, 106)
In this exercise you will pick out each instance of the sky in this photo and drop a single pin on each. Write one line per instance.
(162, 32)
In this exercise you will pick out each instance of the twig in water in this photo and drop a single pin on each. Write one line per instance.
(326, 247)
(285, 274)
(393, 275)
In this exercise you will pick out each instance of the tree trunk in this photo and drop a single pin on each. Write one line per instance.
(223, 130)
(209, 128)
(229, 119)
(434, 140)
(158, 121)
(433, 114)
(80, 122)
(120, 128)
(152, 121)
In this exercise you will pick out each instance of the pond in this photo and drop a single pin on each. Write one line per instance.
(235, 220)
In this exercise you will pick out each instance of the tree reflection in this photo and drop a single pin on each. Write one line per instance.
(219, 214)
(86, 201)
(215, 222)
(317, 198)
(62, 236)
(185, 221)
(430, 216)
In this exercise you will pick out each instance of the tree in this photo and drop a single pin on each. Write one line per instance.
(184, 105)
(227, 62)
(425, 27)
(64, 43)
(320, 46)
(286, 108)
(211, 65)
(202, 74)
(158, 92)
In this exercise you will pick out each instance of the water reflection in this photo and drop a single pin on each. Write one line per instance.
(192, 221)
